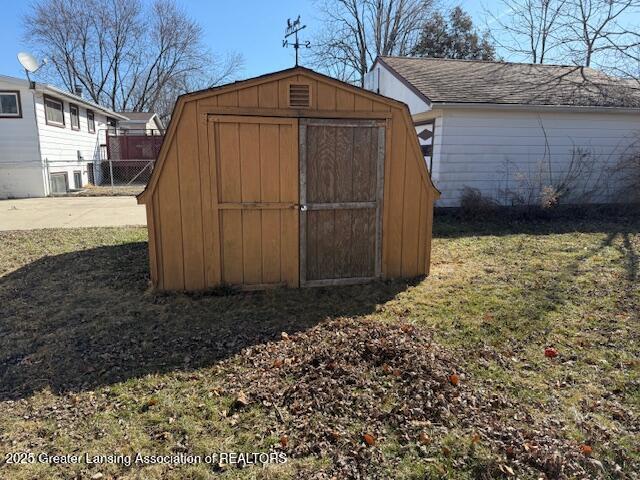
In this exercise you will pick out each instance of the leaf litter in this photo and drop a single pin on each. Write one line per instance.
(343, 389)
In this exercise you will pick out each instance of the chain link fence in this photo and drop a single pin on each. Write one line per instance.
(98, 178)
(121, 165)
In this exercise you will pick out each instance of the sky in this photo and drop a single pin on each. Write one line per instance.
(253, 28)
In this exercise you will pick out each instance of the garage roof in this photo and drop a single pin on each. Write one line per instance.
(473, 81)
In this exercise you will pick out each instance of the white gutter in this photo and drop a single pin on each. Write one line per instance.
(536, 108)
(49, 90)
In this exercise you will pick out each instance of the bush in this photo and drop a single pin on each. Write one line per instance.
(473, 203)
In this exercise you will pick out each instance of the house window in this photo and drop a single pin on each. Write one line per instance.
(59, 182)
(10, 104)
(91, 121)
(74, 112)
(54, 111)
(77, 179)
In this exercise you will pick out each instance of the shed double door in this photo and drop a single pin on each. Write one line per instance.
(297, 202)
(341, 187)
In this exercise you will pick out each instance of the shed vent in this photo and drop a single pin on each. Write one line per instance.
(299, 95)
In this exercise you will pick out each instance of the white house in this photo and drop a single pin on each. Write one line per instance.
(47, 138)
(148, 122)
(509, 130)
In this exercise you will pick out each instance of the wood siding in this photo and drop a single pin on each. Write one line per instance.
(220, 218)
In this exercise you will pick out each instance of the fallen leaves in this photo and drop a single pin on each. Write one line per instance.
(241, 400)
(586, 450)
(397, 384)
(550, 352)
(424, 439)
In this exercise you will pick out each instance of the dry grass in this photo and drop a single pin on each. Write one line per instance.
(90, 361)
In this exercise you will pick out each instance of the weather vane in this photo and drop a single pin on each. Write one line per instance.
(293, 27)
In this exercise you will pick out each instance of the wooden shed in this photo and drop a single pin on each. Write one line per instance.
(288, 179)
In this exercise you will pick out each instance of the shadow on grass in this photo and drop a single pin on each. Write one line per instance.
(449, 224)
(80, 320)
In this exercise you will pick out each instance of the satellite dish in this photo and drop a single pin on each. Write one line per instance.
(29, 62)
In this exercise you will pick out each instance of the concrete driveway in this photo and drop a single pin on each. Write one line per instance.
(70, 212)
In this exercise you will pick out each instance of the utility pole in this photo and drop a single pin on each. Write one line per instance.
(293, 27)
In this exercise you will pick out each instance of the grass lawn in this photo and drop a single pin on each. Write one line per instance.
(92, 362)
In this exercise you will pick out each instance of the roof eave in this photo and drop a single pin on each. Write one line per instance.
(50, 90)
(526, 106)
(403, 80)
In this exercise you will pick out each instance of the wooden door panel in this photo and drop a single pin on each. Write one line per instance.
(340, 244)
(341, 192)
(256, 164)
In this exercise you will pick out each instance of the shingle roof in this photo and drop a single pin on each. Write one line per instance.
(473, 81)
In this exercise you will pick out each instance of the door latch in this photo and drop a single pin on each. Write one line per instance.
(303, 208)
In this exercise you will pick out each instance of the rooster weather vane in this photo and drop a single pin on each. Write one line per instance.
(293, 27)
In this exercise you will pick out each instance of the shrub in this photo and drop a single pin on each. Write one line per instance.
(473, 203)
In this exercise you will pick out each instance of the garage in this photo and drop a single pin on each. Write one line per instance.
(289, 179)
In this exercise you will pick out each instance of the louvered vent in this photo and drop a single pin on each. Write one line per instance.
(299, 95)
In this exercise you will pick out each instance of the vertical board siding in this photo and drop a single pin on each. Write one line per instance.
(269, 148)
(232, 247)
(190, 199)
(153, 258)
(326, 96)
(270, 238)
(196, 242)
(157, 233)
(228, 162)
(410, 219)
(248, 97)
(345, 100)
(268, 95)
(252, 247)
(171, 231)
(249, 162)
(209, 199)
(395, 199)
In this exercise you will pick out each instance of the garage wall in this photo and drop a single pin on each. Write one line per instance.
(491, 149)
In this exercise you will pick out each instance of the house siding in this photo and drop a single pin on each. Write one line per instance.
(21, 172)
(61, 147)
(382, 81)
(493, 150)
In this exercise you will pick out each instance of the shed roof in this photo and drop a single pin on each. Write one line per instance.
(474, 81)
(267, 78)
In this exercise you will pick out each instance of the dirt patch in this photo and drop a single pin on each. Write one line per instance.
(109, 191)
(348, 389)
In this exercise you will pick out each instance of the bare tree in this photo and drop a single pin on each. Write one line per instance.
(597, 28)
(355, 32)
(126, 56)
(531, 29)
